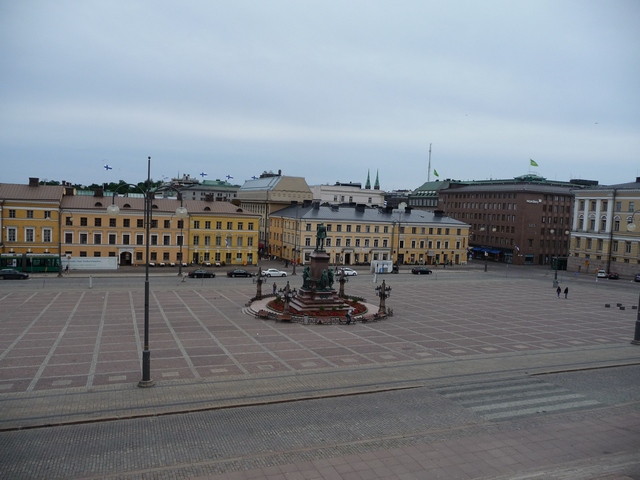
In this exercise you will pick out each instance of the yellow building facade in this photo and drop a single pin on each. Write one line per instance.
(73, 227)
(29, 221)
(360, 235)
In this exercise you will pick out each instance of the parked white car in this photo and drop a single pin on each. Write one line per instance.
(602, 274)
(273, 272)
(348, 272)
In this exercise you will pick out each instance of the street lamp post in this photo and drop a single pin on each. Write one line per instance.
(631, 227)
(295, 245)
(181, 212)
(383, 292)
(288, 294)
(486, 254)
(181, 221)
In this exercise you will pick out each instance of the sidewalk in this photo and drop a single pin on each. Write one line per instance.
(578, 450)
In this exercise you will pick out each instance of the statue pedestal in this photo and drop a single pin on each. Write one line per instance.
(312, 297)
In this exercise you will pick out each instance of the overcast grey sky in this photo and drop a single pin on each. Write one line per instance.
(320, 89)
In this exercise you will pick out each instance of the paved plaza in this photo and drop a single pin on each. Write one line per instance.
(72, 356)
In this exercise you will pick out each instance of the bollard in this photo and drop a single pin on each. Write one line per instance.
(305, 320)
(90, 282)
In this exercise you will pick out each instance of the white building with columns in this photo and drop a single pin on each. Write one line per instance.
(606, 230)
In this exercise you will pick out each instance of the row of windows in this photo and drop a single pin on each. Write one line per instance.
(495, 217)
(487, 206)
(617, 246)
(593, 204)
(599, 257)
(485, 195)
(343, 199)
(495, 228)
(207, 225)
(166, 256)
(291, 224)
(30, 214)
(126, 222)
(603, 223)
(376, 243)
(240, 241)
(154, 239)
(29, 235)
(555, 220)
(112, 239)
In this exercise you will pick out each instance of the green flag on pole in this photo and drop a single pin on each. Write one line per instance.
(435, 172)
(533, 164)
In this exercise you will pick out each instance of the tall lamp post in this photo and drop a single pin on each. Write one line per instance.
(383, 292)
(181, 221)
(631, 227)
(486, 254)
(295, 245)
(181, 212)
(60, 211)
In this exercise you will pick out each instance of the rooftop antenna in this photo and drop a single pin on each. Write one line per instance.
(429, 169)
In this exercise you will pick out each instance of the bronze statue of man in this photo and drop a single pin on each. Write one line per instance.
(321, 235)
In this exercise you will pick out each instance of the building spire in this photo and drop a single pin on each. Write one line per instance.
(376, 186)
(367, 185)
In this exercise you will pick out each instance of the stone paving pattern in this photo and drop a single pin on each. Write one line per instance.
(74, 356)
(53, 340)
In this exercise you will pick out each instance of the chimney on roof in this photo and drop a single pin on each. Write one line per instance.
(98, 192)
(439, 213)
(34, 181)
(637, 179)
(306, 203)
(208, 197)
(69, 191)
(316, 205)
(360, 207)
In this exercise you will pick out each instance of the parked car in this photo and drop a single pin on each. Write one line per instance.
(11, 274)
(601, 274)
(420, 271)
(613, 276)
(637, 277)
(273, 272)
(348, 272)
(238, 272)
(201, 274)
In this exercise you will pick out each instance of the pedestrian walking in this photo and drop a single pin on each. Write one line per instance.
(559, 291)
(275, 288)
(349, 313)
(566, 292)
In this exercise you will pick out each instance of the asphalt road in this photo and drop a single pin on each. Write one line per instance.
(210, 442)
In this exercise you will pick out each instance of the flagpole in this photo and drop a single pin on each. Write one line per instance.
(429, 168)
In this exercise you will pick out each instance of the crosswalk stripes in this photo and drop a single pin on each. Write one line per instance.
(507, 399)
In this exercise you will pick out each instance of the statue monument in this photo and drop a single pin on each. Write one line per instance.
(317, 281)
